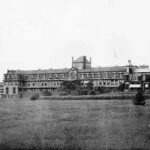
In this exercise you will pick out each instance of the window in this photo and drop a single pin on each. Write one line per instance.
(92, 75)
(63, 75)
(112, 82)
(28, 84)
(50, 76)
(95, 82)
(116, 82)
(87, 75)
(121, 75)
(14, 90)
(33, 84)
(82, 76)
(96, 75)
(7, 90)
(113, 75)
(56, 76)
(44, 77)
(45, 84)
(105, 74)
(37, 77)
(117, 74)
(101, 75)
(26, 77)
(109, 75)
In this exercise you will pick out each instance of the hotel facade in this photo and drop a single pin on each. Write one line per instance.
(21, 83)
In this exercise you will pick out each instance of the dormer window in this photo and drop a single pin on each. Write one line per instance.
(37, 77)
(44, 77)
(63, 76)
(32, 77)
(50, 76)
(56, 76)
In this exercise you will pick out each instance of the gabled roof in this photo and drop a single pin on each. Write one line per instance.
(74, 68)
(81, 59)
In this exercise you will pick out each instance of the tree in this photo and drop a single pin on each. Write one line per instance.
(139, 98)
(89, 85)
(70, 86)
(121, 87)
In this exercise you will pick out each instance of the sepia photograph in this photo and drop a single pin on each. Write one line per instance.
(74, 75)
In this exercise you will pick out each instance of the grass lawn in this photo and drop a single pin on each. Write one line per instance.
(86, 124)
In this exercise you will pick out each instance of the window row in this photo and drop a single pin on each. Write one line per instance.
(14, 83)
(37, 90)
(44, 84)
(79, 75)
(108, 82)
(65, 76)
(12, 90)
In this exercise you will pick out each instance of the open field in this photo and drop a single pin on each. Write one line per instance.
(86, 124)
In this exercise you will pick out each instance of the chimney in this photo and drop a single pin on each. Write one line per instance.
(72, 61)
(84, 62)
(90, 60)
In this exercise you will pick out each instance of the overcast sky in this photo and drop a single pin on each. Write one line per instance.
(42, 34)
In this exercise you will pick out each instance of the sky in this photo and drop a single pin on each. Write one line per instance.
(43, 34)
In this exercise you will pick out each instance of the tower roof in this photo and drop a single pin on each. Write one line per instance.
(81, 59)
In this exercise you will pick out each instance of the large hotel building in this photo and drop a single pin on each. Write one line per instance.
(21, 83)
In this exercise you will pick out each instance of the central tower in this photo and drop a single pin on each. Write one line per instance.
(81, 63)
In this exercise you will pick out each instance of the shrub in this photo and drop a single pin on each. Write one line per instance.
(34, 97)
(46, 93)
(139, 99)
(63, 93)
(99, 90)
(82, 91)
(92, 92)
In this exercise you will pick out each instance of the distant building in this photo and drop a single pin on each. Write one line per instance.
(21, 83)
(137, 77)
(1, 90)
